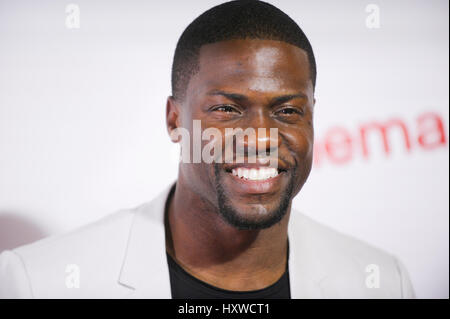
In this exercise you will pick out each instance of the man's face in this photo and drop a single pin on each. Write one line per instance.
(252, 84)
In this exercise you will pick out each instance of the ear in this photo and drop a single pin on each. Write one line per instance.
(172, 117)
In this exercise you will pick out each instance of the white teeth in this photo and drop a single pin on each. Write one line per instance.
(255, 174)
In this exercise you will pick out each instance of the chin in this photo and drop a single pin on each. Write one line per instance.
(255, 216)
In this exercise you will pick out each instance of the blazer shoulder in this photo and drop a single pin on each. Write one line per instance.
(333, 241)
(345, 261)
(86, 237)
(41, 269)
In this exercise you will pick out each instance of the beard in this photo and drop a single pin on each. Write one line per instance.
(241, 220)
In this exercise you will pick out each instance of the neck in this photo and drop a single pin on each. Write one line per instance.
(218, 253)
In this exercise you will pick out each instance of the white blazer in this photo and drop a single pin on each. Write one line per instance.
(123, 256)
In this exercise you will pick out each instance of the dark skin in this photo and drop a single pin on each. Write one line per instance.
(270, 87)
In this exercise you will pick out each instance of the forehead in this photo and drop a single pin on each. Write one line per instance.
(260, 66)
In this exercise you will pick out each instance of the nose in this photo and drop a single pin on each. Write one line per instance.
(262, 138)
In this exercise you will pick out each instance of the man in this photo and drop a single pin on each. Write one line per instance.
(226, 228)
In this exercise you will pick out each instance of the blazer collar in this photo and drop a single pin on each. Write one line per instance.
(145, 269)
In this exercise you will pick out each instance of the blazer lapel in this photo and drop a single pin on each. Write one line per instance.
(306, 271)
(145, 267)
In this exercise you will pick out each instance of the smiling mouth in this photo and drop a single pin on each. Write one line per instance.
(255, 173)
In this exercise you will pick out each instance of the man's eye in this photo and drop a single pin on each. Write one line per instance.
(289, 111)
(226, 109)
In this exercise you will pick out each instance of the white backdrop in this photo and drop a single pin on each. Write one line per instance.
(82, 130)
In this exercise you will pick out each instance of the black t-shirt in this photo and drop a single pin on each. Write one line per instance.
(185, 286)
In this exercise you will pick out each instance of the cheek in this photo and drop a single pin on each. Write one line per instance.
(307, 140)
(304, 156)
(305, 147)
(200, 178)
(301, 143)
(301, 148)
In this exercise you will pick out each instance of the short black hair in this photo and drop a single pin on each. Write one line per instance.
(239, 19)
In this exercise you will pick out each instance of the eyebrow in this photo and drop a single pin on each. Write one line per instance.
(243, 98)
